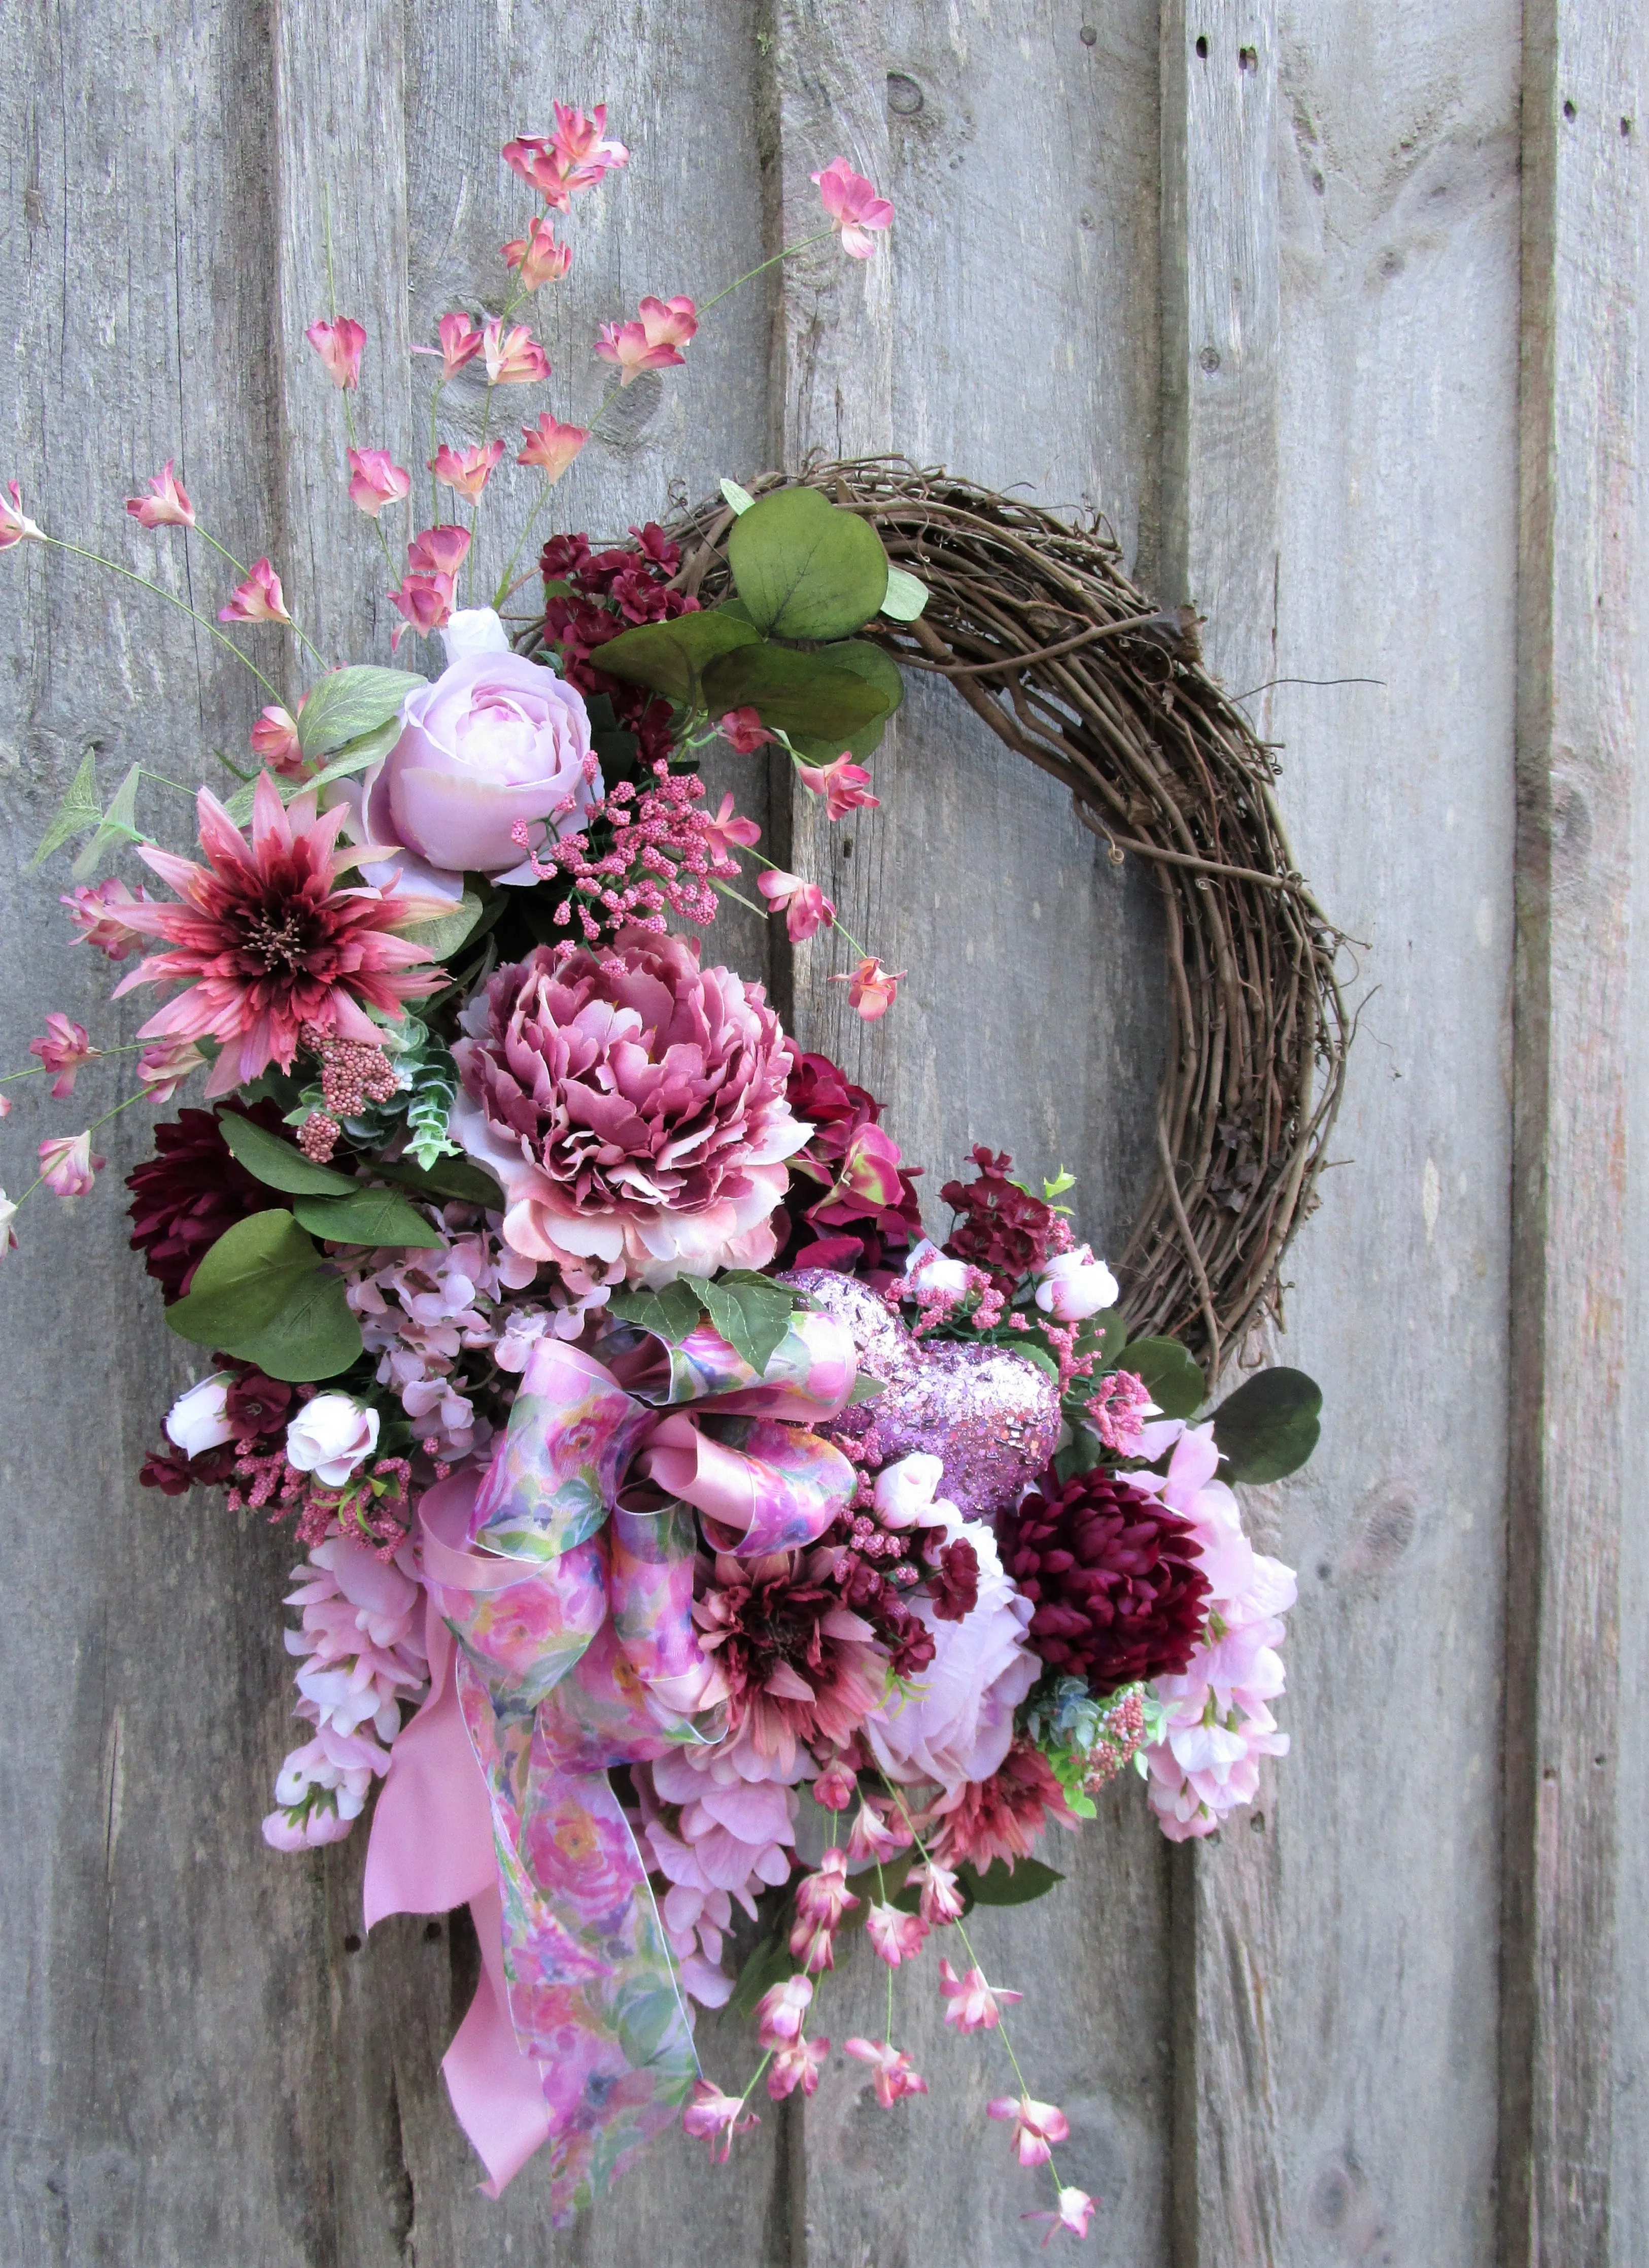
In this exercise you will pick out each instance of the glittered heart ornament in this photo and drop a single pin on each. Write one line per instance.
(991, 1416)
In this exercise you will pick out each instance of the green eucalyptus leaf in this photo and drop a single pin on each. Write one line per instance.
(999, 1886)
(443, 936)
(792, 692)
(81, 807)
(805, 567)
(253, 1270)
(314, 1335)
(877, 666)
(347, 705)
(119, 824)
(906, 596)
(1080, 1454)
(280, 1165)
(453, 1178)
(371, 1216)
(1270, 1426)
(672, 657)
(1173, 1378)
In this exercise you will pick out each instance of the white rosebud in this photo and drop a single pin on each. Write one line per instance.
(199, 1420)
(330, 1436)
(929, 1269)
(904, 1493)
(1074, 1285)
(473, 630)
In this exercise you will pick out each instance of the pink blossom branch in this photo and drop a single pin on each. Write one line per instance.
(79, 551)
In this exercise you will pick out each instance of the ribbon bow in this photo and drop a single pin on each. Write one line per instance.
(561, 1642)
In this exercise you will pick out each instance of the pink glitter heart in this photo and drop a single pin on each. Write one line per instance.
(991, 1416)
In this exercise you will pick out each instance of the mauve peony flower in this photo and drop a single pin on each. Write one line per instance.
(633, 1106)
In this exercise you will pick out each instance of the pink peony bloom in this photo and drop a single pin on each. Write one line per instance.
(578, 156)
(162, 1068)
(723, 833)
(339, 343)
(654, 342)
(803, 904)
(1075, 2211)
(258, 599)
(537, 256)
(275, 742)
(63, 1048)
(1036, 2126)
(854, 206)
(712, 2117)
(551, 446)
(460, 342)
(633, 1106)
(975, 2006)
(15, 524)
(895, 1936)
(890, 2069)
(872, 989)
(798, 2065)
(782, 2011)
(743, 730)
(95, 911)
(942, 1903)
(844, 785)
(67, 1165)
(467, 470)
(267, 943)
(376, 480)
(514, 357)
(167, 506)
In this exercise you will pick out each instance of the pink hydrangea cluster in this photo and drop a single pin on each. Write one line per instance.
(361, 1644)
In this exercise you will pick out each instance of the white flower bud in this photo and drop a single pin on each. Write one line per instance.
(330, 1436)
(199, 1420)
(1074, 1285)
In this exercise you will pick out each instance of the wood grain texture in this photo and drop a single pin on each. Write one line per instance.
(1580, 742)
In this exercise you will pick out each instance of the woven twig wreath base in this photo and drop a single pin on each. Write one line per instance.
(1036, 624)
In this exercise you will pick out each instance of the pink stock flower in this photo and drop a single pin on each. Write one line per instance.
(162, 1068)
(1036, 2126)
(62, 1049)
(854, 206)
(339, 343)
(460, 342)
(843, 784)
(267, 943)
(942, 1903)
(726, 829)
(1075, 2211)
(551, 445)
(537, 256)
(67, 1164)
(514, 357)
(895, 1936)
(275, 742)
(654, 342)
(743, 730)
(872, 989)
(94, 910)
(975, 2006)
(467, 470)
(712, 2117)
(376, 480)
(798, 2065)
(168, 507)
(803, 904)
(578, 156)
(890, 2068)
(258, 599)
(14, 522)
(781, 2012)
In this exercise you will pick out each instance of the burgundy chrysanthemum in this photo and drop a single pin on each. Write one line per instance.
(190, 1191)
(1001, 1817)
(802, 1669)
(851, 1202)
(999, 1226)
(1112, 1575)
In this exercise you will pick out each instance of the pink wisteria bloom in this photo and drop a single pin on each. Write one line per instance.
(376, 480)
(267, 943)
(67, 1165)
(14, 522)
(275, 742)
(339, 343)
(514, 357)
(536, 256)
(872, 989)
(460, 342)
(162, 1068)
(63, 1048)
(895, 1936)
(975, 2006)
(822, 1898)
(259, 598)
(1037, 2126)
(578, 156)
(95, 910)
(854, 206)
(728, 829)
(467, 470)
(1075, 2211)
(550, 446)
(743, 730)
(890, 2070)
(782, 2011)
(844, 785)
(712, 2117)
(803, 904)
(424, 600)
(942, 1902)
(654, 342)
(798, 2065)
(166, 506)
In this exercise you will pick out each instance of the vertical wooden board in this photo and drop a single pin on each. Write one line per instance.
(166, 2086)
(1398, 547)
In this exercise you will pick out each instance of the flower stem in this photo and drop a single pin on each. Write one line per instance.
(221, 550)
(503, 591)
(750, 273)
(172, 599)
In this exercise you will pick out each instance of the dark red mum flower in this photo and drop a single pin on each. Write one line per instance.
(1112, 1575)
(999, 1226)
(185, 1197)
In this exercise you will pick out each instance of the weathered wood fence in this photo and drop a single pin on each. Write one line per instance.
(1332, 308)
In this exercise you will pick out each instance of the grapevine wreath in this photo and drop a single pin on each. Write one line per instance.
(691, 1526)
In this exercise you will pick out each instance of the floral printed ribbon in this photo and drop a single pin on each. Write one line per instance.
(561, 1642)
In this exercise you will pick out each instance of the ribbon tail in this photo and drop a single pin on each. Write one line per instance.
(497, 2093)
(432, 1841)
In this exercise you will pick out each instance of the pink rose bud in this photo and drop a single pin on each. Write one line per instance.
(198, 1420)
(1073, 1285)
(166, 506)
(929, 1269)
(376, 480)
(905, 1491)
(330, 1436)
(743, 730)
(339, 344)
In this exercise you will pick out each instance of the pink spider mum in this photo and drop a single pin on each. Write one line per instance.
(266, 941)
